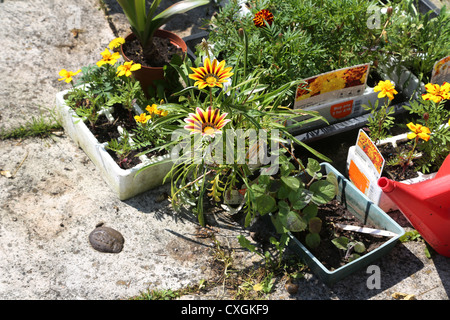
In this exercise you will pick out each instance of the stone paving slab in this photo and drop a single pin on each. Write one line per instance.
(55, 197)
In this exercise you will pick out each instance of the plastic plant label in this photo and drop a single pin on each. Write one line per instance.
(341, 110)
(338, 84)
(358, 178)
(441, 71)
(365, 165)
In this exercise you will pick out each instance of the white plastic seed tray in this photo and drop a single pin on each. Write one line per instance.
(125, 183)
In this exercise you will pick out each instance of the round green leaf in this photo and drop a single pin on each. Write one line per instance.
(315, 224)
(265, 204)
(341, 242)
(312, 167)
(310, 211)
(323, 191)
(293, 222)
(312, 240)
(291, 182)
(359, 247)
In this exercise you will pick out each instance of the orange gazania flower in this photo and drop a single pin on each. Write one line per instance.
(207, 122)
(261, 16)
(386, 88)
(436, 92)
(108, 58)
(419, 131)
(211, 74)
(67, 75)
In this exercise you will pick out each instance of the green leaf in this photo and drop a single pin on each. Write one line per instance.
(312, 240)
(310, 211)
(245, 243)
(331, 177)
(283, 207)
(258, 190)
(265, 204)
(323, 191)
(313, 167)
(291, 182)
(283, 192)
(315, 224)
(341, 242)
(293, 222)
(303, 199)
(359, 247)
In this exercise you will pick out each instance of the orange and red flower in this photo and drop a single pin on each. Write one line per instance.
(211, 74)
(207, 122)
(261, 16)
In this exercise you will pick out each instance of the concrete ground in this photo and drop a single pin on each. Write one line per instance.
(53, 196)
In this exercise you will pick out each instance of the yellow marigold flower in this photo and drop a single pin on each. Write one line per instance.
(386, 88)
(437, 93)
(67, 75)
(142, 118)
(261, 16)
(127, 68)
(207, 122)
(116, 43)
(418, 131)
(153, 109)
(108, 58)
(211, 74)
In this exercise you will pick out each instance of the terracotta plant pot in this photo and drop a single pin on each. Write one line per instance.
(146, 75)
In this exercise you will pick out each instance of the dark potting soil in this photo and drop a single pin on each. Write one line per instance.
(162, 54)
(397, 172)
(105, 131)
(327, 253)
(129, 162)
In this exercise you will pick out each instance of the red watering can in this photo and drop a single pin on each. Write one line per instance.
(426, 205)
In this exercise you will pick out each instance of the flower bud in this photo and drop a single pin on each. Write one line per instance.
(389, 11)
(426, 116)
(241, 32)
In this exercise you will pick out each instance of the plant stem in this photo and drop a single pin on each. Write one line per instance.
(411, 153)
(192, 182)
(295, 158)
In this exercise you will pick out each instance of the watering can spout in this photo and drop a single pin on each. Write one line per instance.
(386, 185)
(426, 205)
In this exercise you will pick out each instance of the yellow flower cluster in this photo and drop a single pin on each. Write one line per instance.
(111, 58)
(108, 58)
(152, 112)
(437, 93)
(67, 75)
(127, 68)
(419, 131)
(385, 89)
(117, 42)
(142, 118)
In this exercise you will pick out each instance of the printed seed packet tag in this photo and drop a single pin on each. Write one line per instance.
(365, 166)
(333, 85)
(441, 71)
